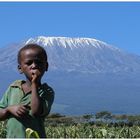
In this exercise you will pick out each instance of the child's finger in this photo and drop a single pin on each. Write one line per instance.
(27, 107)
(20, 112)
(24, 110)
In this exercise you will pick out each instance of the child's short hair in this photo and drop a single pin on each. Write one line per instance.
(31, 46)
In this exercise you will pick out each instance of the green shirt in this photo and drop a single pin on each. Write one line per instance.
(14, 96)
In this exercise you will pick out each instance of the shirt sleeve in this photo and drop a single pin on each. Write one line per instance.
(47, 99)
(4, 100)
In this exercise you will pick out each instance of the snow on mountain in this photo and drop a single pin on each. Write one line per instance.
(86, 55)
(76, 54)
(68, 42)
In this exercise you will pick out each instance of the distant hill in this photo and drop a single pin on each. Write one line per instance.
(87, 75)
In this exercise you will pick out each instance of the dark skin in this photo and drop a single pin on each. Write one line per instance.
(33, 65)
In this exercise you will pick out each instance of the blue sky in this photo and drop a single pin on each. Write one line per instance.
(116, 23)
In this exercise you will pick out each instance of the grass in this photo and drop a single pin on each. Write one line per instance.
(60, 126)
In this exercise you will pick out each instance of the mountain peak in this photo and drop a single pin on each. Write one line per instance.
(70, 42)
(77, 54)
(85, 55)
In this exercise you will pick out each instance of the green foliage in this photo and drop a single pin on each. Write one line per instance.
(59, 121)
(2, 129)
(87, 131)
(103, 115)
(87, 116)
(101, 125)
(118, 126)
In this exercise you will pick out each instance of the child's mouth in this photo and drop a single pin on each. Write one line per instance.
(34, 71)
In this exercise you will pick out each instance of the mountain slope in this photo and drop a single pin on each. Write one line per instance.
(77, 54)
(86, 55)
(88, 75)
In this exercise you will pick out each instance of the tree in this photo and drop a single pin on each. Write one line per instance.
(103, 115)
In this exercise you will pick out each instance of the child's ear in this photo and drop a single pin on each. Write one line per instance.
(47, 65)
(19, 69)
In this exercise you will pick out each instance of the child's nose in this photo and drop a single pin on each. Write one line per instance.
(34, 65)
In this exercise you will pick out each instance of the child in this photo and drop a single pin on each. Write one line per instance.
(26, 103)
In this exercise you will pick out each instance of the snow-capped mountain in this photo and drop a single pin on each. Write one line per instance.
(77, 54)
(87, 75)
(86, 55)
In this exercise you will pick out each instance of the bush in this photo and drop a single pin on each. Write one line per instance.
(2, 129)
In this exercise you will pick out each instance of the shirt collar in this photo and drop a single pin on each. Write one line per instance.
(17, 83)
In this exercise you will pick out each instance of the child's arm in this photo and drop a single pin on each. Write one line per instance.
(35, 101)
(18, 111)
(4, 114)
(15, 110)
(38, 106)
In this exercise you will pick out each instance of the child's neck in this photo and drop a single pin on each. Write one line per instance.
(27, 86)
(29, 83)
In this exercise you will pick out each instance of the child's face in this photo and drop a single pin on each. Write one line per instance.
(32, 61)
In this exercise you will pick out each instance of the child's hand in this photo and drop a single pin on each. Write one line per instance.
(36, 76)
(18, 110)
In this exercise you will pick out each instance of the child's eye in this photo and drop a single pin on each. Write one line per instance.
(39, 62)
(28, 63)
